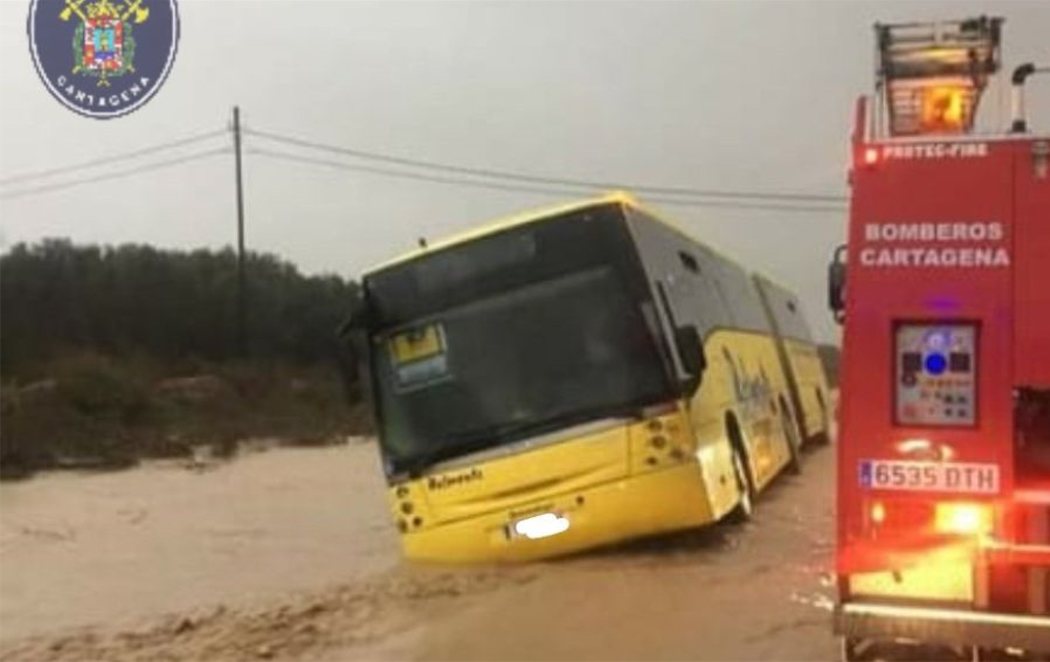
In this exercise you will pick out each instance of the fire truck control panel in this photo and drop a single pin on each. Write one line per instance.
(936, 382)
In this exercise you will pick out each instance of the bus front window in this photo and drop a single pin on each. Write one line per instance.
(541, 356)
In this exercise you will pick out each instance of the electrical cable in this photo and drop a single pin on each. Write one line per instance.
(156, 165)
(576, 190)
(536, 179)
(143, 151)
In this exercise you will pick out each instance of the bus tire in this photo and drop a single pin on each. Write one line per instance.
(856, 649)
(793, 437)
(745, 507)
(853, 649)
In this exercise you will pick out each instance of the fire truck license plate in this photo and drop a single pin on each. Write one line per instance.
(971, 478)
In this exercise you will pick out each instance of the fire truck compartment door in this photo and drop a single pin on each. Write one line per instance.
(1032, 267)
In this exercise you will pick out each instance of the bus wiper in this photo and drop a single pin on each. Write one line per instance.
(460, 444)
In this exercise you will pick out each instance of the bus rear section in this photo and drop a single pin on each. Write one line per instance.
(558, 381)
(944, 459)
(807, 381)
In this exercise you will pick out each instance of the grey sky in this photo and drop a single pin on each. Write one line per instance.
(744, 95)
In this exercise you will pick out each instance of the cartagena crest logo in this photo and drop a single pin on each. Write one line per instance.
(103, 58)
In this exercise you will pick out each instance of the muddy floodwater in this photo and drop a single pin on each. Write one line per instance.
(288, 554)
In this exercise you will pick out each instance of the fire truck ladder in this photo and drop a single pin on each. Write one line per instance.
(933, 74)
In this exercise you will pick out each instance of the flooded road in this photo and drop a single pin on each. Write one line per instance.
(288, 554)
(757, 592)
(81, 549)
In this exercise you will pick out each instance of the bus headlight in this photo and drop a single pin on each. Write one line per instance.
(963, 518)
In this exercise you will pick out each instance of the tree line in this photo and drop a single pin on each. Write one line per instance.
(166, 304)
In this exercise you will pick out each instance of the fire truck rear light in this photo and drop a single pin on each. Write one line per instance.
(871, 156)
(963, 518)
(914, 446)
(878, 512)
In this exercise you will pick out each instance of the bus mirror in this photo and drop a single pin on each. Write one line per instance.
(350, 342)
(691, 350)
(837, 284)
(347, 344)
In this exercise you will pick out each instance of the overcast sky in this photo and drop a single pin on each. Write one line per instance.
(741, 95)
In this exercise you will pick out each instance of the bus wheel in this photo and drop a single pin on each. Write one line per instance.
(745, 508)
(855, 649)
(793, 438)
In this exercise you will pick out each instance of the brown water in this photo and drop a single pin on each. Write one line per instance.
(289, 554)
(110, 548)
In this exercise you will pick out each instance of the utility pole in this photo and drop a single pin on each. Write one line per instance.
(242, 304)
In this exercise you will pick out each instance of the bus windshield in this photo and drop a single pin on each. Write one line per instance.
(567, 347)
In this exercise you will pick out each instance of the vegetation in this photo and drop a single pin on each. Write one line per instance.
(165, 304)
(112, 354)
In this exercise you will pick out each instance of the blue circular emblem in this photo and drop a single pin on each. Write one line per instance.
(103, 58)
(936, 363)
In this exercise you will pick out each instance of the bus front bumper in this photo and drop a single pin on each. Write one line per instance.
(958, 627)
(664, 500)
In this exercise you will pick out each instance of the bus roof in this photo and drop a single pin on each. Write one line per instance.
(499, 225)
(542, 213)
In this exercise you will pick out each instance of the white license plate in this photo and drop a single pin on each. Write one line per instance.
(540, 526)
(967, 477)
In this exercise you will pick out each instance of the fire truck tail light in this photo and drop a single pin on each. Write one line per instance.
(963, 518)
(878, 512)
(921, 447)
(911, 517)
(871, 156)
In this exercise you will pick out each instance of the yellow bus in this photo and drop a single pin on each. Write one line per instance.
(574, 377)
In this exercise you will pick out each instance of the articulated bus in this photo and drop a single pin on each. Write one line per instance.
(576, 377)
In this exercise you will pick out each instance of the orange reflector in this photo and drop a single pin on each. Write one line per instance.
(963, 518)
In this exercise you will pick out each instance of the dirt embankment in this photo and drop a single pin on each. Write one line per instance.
(93, 411)
(290, 555)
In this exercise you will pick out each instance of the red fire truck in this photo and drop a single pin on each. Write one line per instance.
(944, 292)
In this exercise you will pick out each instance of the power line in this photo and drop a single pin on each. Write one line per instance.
(760, 206)
(577, 189)
(404, 174)
(566, 186)
(156, 165)
(536, 179)
(124, 156)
